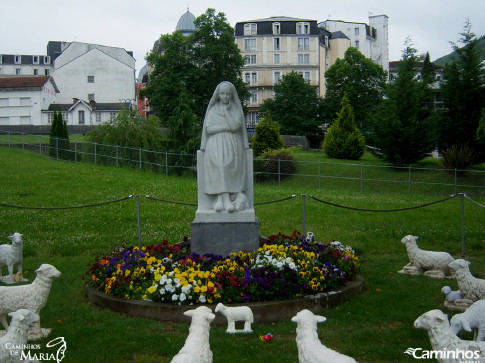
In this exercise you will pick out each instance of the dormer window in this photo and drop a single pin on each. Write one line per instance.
(276, 28)
(250, 29)
(35, 59)
(18, 59)
(302, 28)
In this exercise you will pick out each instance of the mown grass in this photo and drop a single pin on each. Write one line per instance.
(375, 326)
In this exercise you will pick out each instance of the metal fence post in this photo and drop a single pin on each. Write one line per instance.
(319, 175)
(279, 172)
(462, 198)
(75, 152)
(116, 148)
(138, 218)
(304, 214)
(361, 177)
(23, 145)
(40, 144)
(57, 148)
(456, 180)
(166, 163)
(9, 139)
(410, 179)
(139, 157)
(94, 153)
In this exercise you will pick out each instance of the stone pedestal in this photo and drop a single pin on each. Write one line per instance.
(221, 233)
(223, 238)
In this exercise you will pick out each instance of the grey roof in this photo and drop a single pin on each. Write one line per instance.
(186, 23)
(65, 107)
(276, 19)
(338, 35)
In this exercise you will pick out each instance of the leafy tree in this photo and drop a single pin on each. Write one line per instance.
(361, 79)
(60, 147)
(266, 136)
(404, 125)
(296, 106)
(463, 94)
(344, 140)
(216, 58)
(194, 65)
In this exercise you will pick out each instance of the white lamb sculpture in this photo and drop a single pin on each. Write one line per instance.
(310, 349)
(472, 318)
(11, 255)
(471, 288)
(12, 343)
(444, 340)
(32, 296)
(197, 348)
(430, 263)
(236, 313)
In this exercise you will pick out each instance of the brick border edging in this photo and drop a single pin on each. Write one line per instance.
(264, 312)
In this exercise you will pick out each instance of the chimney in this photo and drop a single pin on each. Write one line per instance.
(74, 100)
(92, 103)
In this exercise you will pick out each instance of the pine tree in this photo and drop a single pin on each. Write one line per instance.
(60, 147)
(343, 140)
(404, 127)
(266, 136)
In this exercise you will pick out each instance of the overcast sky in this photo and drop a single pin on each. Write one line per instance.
(27, 25)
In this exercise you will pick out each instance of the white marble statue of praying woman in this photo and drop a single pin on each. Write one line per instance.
(224, 139)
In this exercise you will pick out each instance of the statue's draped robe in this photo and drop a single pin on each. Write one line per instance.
(225, 159)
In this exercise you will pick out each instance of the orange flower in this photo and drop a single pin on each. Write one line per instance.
(103, 262)
(93, 277)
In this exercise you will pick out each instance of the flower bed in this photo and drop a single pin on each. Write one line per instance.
(284, 267)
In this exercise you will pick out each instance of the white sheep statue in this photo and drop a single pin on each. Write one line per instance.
(31, 296)
(471, 288)
(310, 349)
(12, 343)
(11, 255)
(197, 348)
(451, 349)
(450, 294)
(430, 263)
(236, 313)
(472, 319)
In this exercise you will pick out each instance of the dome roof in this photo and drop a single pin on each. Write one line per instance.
(186, 23)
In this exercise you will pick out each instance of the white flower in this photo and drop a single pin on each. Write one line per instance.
(182, 297)
(186, 288)
(175, 297)
(202, 299)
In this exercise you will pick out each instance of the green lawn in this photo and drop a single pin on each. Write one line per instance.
(376, 326)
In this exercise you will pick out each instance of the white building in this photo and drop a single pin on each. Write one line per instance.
(95, 72)
(22, 99)
(25, 65)
(372, 39)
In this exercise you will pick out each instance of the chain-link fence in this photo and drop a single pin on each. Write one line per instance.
(354, 176)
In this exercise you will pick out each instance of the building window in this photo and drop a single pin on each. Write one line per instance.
(50, 118)
(98, 117)
(254, 97)
(303, 43)
(276, 77)
(17, 71)
(1, 59)
(112, 116)
(64, 116)
(357, 43)
(306, 75)
(47, 60)
(276, 43)
(276, 28)
(18, 59)
(36, 72)
(250, 59)
(277, 58)
(303, 58)
(46, 72)
(90, 79)
(25, 120)
(254, 78)
(25, 101)
(250, 29)
(35, 59)
(247, 77)
(356, 32)
(0, 70)
(326, 41)
(80, 116)
(90, 96)
(252, 119)
(250, 44)
(251, 78)
(302, 28)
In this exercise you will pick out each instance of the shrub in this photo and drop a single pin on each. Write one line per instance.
(272, 163)
(343, 140)
(266, 136)
(459, 157)
(60, 147)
